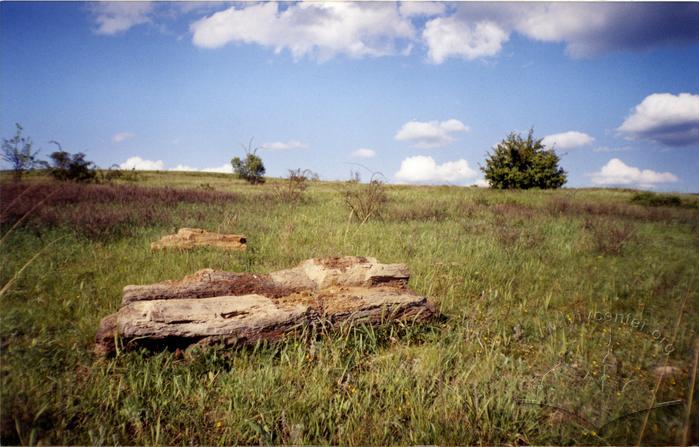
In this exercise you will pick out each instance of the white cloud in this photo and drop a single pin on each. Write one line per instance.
(616, 172)
(423, 169)
(669, 119)
(184, 168)
(482, 183)
(420, 8)
(186, 7)
(116, 17)
(122, 136)
(322, 29)
(478, 29)
(364, 153)
(430, 134)
(225, 168)
(140, 164)
(469, 30)
(611, 149)
(589, 29)
(451, 37)
(567, 140)
(283, 146)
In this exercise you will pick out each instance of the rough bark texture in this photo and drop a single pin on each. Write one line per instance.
(187, 238)
(211, 307)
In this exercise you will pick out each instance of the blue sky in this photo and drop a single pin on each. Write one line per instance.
(417, 91)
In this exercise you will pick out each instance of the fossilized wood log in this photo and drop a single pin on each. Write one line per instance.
(312, 274)
(211, 307)
(187, 238)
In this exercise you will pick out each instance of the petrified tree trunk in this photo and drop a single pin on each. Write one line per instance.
(212, 307)
(187, 238)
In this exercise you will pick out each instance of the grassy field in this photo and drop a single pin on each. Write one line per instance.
(538, 345)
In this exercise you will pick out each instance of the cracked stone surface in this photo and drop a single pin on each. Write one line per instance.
(217, 307)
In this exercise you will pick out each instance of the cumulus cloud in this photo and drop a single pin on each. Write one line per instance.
(589, 29)
(430, 134)
(567, 140)
(140, 164)
(618, 173)
(468, 30)
(477, 30)
(122, 136)
(423, 169)
(611, 149)
(451, 37)
(225, 168)
(284, 146)
(183, 168)
(322, 29)
(364, 153)
(666, 118)
(117, 17)
(422, 9)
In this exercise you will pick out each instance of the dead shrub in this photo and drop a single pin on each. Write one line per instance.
(365, 201)
(293, 187)
(608, 237)
(355, 177)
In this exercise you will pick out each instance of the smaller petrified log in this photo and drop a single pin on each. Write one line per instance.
(212, 307)
(196, 237)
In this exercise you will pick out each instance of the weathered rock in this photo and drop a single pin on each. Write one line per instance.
(667, 371)
(187, 238)
(211, 307)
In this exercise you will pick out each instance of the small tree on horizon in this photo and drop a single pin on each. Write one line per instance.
(18, 152)
(519, 163)
(71, 167)
(251, 168)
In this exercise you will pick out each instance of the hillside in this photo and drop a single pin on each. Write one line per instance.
(559, 306)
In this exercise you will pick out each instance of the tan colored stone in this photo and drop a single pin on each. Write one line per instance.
(211, 307)
(667, 371)
(187, 238)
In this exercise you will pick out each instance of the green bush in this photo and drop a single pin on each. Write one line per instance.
(250, 169)
(519, 163)
(653, 199)
(65, 166)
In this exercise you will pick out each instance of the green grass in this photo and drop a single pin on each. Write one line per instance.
(516, 275)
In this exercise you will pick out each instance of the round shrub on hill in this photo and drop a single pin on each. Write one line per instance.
(519, 163)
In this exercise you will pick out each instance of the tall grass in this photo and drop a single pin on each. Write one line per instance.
(524, 354)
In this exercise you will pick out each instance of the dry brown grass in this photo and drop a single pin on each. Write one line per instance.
(608, 237)
(422, 211)
(568, 207)
(98, 210)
